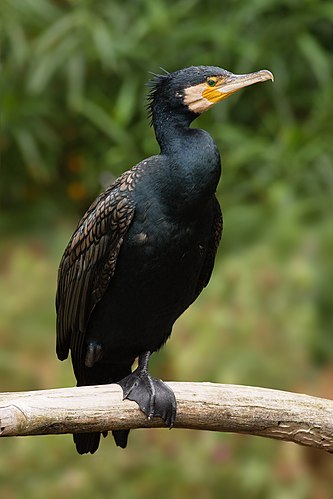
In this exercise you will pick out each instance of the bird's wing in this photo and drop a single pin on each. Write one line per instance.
(214, 242)
(90, 260)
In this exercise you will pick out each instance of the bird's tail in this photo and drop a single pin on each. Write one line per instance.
(120, 437)
(89, 442)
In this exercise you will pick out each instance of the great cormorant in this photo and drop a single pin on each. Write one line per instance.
(145, 248)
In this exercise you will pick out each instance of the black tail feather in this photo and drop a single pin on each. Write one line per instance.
(120, 437)
(95, 375)
(87, 442)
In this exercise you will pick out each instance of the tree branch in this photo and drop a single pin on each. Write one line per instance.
(203, 406)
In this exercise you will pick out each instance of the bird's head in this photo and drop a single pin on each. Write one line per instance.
(195, 89)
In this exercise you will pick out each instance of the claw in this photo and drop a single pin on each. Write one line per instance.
(154, 397)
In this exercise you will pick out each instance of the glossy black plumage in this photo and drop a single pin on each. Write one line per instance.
(141, 255)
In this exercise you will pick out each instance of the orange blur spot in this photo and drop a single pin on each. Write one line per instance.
(75, 163)
(76, 191)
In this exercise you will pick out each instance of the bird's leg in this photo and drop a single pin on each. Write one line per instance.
(153, 396)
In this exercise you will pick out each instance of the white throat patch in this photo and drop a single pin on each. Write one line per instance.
(195, 101)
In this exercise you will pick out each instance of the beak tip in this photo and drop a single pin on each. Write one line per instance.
(268, 75)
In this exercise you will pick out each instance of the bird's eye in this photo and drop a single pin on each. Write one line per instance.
(211, 82)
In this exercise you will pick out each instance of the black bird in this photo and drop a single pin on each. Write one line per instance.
(145, 248)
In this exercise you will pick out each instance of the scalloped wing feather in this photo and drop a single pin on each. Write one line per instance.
(89, 263)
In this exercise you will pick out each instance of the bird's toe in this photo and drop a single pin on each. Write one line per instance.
(154, 397)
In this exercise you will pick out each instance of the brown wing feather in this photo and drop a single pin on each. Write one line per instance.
(90, 259)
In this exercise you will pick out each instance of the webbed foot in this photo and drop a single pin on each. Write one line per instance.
(153, 396)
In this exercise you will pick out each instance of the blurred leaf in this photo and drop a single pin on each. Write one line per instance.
(76, 69)
(104, 43)
(101, 119)
(317, 58)
(124, 106)
(30, 152)
(47, 66)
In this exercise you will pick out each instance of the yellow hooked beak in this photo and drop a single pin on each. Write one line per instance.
(203, 96)
(220, 88)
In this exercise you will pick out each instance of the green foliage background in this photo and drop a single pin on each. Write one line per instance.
(72, 99)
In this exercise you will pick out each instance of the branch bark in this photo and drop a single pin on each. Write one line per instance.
(268, 413)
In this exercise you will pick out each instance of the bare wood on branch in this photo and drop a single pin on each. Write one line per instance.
(268, 413)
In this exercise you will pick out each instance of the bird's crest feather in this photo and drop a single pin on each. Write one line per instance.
(154, 84)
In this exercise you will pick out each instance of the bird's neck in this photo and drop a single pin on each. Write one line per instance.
(169, 126)
(193, 161)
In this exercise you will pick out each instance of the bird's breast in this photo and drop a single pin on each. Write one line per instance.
(159, 243)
